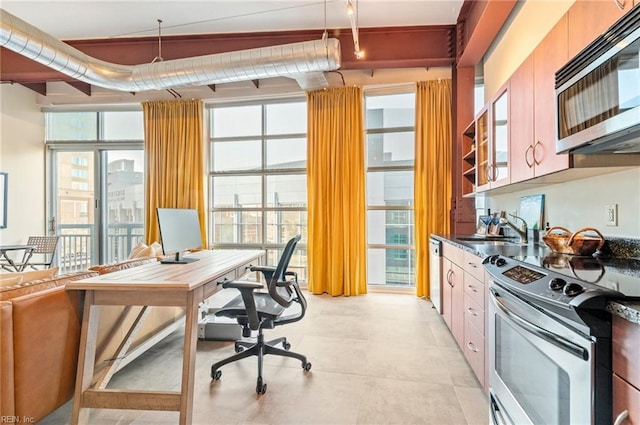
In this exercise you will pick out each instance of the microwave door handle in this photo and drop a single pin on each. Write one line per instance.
(552, 338)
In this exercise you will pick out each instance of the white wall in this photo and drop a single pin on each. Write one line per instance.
(578, 203)
(22, 155)
(530, 21)
(581, 203)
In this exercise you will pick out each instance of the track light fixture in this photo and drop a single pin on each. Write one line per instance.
(353, 19)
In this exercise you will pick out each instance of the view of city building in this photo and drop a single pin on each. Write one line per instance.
(257, 186)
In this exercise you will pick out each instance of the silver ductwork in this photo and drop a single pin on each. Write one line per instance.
(305, 62)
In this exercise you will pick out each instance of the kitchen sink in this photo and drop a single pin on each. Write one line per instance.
(480, 241)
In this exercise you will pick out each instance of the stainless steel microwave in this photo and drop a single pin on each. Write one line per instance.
(598, 93)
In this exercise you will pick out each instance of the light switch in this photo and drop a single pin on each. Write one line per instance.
(611, 212)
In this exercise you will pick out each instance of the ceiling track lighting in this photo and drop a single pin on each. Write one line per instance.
(352, 13)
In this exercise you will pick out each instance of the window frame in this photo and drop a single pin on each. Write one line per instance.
(409, 247)
(264, 171)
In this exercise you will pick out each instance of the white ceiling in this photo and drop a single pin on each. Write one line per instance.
(68, 19)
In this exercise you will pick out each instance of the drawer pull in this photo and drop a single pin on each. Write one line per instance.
(623, 416)
(474, 265)
(473, 288)
(472, 312)
(472, 347)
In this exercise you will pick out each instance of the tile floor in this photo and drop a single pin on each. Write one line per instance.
(377, 359)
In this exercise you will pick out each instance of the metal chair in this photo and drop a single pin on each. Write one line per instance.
(45, 246)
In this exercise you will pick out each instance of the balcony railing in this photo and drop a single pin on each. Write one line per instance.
(78, 244)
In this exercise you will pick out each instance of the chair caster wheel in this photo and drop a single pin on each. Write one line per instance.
(261, 388)
(306, 366)
(286, 345)
(239, 349)
(216, 374)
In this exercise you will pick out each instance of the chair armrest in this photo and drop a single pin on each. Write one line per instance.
(285, 283)
(261, 268)
(267, 271)
(242, 284)
(247, 288)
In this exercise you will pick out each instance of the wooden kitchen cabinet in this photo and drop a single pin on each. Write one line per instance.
(474, 317)
(482, 150)
(452, 291)
(587, 19)
(626, 371)
(532, 112)
(522, 121)
(499, 172)
(626, 402)
(452, 299)
(550, 55)
(463, 309)
(492, 143)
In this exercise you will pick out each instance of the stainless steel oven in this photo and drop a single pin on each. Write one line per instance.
(549, 359)
(541, 372)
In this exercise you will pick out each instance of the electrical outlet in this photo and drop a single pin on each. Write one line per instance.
(611, 217)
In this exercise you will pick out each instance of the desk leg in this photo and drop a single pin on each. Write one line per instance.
(189, 360)
(86, 357)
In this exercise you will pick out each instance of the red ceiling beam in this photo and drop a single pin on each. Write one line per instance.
(394, 47)
(479, 22)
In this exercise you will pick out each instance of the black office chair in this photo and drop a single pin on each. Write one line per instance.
(256, 311)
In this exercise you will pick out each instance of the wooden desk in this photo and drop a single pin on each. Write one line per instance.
(153, 284)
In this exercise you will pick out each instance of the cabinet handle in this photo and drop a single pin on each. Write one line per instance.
(449, 273)
(473, 288)
(620, 4)
(474, 265)
(535, 158)
(623, 416)
(526, 156)
(488, 172)
(472, 347)
(472, 312)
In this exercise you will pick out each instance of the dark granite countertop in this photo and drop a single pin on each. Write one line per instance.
(629, 310)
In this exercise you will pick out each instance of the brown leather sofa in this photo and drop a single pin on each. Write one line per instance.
(40, 326)
(39, 337)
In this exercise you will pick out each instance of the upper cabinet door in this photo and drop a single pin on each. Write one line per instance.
(588, 19)
(550, 55)
(499, 171)
(483, 164)
(521, 118)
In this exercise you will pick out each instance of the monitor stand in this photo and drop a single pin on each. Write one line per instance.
(179, 259)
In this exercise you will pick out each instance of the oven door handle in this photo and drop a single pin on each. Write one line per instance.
(496, 414)
(550, 337)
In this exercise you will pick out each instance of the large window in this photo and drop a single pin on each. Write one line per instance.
(97, 201)
(258, 183)
(390, 161)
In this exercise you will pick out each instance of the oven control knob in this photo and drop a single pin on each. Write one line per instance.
(557, 283)
(572, 289)
(501, 262)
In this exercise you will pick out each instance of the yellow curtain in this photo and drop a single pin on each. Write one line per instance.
(432, 185)
(336, 192)
(174, 161)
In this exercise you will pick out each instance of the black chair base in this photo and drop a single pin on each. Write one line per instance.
(260, 348)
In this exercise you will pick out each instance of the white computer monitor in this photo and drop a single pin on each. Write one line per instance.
(179, 232)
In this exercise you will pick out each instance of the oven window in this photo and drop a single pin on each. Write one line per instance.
(539, 385)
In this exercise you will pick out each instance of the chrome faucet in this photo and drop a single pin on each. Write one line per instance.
(521, 231)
